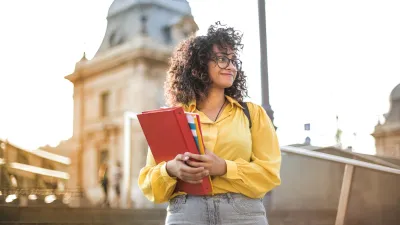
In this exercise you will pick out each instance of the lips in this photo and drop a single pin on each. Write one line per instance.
(227, 74)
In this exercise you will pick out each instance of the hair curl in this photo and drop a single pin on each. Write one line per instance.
(188, 78)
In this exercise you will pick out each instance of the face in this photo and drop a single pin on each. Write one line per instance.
(223, 67)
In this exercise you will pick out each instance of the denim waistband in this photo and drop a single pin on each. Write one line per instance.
(224, 196)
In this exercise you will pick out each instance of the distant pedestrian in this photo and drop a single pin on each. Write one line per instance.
(118, 179)
(103, 179)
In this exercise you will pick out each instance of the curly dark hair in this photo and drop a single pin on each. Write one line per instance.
(188, 77)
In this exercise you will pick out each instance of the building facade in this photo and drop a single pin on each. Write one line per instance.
(387, 135)
(127, 74)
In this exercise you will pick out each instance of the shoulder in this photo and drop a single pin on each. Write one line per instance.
(189, 107)
(255, 109)
(258, 114)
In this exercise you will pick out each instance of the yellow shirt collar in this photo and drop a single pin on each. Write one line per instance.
(191, 107)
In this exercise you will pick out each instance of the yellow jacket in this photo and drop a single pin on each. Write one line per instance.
(253, 157)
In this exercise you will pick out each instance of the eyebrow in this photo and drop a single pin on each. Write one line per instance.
(226, 54)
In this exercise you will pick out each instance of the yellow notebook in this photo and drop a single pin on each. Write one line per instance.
(199, 136)
(195, 126)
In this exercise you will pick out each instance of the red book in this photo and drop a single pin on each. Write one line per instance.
(168, 134)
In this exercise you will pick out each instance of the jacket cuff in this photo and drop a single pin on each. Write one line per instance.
(165, 174)
(231, 170)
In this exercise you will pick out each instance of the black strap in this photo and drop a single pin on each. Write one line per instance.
(246, 112)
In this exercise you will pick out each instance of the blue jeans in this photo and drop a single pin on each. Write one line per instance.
(219, 209)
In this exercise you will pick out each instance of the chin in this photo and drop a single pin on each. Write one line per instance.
(225, 85)
(228, 86)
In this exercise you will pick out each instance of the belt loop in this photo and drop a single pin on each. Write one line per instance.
(229, 197)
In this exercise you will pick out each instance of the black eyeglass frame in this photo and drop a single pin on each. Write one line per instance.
(236, 62)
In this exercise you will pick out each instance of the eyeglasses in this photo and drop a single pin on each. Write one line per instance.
(223, 62)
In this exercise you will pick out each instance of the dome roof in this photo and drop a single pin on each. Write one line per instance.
(130, 18)
(395, 95)
(181, 6)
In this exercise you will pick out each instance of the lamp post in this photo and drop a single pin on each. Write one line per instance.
(264, 61)
(264, 78)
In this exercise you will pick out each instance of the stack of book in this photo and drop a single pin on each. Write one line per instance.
(171, 131)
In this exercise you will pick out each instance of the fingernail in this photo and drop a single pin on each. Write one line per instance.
(186, 158)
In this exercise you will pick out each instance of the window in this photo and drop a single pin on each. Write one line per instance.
(105, 104)
(48, 164)
(103, 156)
(22, 157)
(115, 39)
(167, 35)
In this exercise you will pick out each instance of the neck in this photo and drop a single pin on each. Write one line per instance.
(214, 100)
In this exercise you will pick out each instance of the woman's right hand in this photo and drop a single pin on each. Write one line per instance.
(178, 168)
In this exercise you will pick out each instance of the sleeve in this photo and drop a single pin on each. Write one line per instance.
(154, 180)
(257, 177)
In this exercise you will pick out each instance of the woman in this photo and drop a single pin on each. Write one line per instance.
(206, 77)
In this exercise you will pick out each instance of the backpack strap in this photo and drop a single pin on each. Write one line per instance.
(246, 112)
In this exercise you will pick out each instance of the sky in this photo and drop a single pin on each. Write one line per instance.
(325, 58)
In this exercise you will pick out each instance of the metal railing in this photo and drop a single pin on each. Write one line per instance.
(347, 176)
(73, 192)
(334, 158)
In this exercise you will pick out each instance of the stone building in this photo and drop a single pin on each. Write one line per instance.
(126, 75)
(387, 135)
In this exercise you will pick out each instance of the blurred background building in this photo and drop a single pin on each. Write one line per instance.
(126, 75)
(32, 177)
(387, 135)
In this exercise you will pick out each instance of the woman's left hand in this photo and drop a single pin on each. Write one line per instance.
(211, 162)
